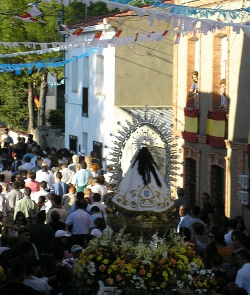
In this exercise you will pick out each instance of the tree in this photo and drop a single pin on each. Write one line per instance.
(45, 30)
(14, 30)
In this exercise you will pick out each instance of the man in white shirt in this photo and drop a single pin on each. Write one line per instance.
(67, 174)
(4, 207)
(98, 203)
(41, 192)
(243, 278)
(232, 224)
(195, 211)
(99, 188)
(44, 175)
(81, 222)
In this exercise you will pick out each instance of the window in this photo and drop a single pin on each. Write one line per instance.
(190, 179)
(74, 76)
(217, 184)
(99, 74)
(98, 148)
(85, 101)
(73, 142)
(51, 90)
(219, 69)
(193, 61)
(86, 71)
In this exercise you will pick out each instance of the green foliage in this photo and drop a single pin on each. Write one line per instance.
(78, 11)
(13, 96)
(13, 100)
(56, 119)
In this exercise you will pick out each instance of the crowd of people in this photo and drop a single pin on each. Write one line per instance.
(51, 205)
(222, 242)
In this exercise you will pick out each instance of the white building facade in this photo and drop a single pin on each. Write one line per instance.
(89, 95)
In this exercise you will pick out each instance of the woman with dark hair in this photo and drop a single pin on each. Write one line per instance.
(240, 225)
(100, 225)
(54, 163)
(200, 239)
(218, 218)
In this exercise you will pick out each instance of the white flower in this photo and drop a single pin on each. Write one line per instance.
(202, 272)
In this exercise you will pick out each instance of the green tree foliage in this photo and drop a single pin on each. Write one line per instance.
(13, 101)
(56, 119)
(15, 30)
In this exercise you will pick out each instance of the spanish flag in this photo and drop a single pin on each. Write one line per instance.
(248, 143)
(36, 100)
(191, 125)
(216, 127)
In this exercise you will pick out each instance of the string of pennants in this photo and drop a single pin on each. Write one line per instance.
(204, 12)
(18, 68)
(181, 20)
(116, 40)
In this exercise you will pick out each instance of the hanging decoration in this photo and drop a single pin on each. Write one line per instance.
(216, 126)
(17, 68)
(179, 16)
(181, 10)
(28, 16)
(76, 32)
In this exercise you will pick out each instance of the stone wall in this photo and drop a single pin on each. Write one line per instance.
(43, 135)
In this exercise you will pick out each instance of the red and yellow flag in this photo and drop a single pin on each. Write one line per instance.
(36, 100)
(216, 128)
(191, 125)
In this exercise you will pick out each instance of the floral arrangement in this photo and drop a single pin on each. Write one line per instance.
(154, 266)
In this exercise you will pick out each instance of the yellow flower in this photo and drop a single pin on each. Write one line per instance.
(163, 285)
(105, 261)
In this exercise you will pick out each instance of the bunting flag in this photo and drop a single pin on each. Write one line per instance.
(191, 125)
(177, 39)
(114, 39)
(66, 29)
(28, 16)
(136, 39)
(78, 31)
(36, 100)
(162, 35)
(96, 38)
(216, 127)
(248, 143)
